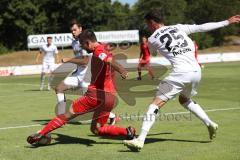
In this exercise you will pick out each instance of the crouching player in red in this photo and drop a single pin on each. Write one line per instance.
(100, 96)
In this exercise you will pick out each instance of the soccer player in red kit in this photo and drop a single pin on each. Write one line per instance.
(196, 54)
(144, 59)
(100, 96)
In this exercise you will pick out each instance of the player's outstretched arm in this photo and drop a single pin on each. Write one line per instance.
(79, 61)
(118, 67)
(209, 26)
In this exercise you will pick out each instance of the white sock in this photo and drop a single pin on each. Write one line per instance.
(50, 78)
(148, 121)
(61, 105)
(84, 86)
(112, 115)
(198, 111)
(42, 80)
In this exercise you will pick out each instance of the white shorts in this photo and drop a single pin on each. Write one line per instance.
(75, 81)
(48, 67)
(179, 83)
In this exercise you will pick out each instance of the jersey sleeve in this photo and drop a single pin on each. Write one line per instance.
(188, 29)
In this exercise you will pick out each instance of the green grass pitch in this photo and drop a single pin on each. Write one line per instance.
(180, 138)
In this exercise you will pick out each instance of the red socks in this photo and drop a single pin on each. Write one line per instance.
(61, 120)
(112, 131)
(55, 123)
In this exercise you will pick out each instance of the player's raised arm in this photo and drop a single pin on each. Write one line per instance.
(118, 67)
(209, 26)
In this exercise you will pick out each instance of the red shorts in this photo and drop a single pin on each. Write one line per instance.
(143, 62)
(97, 101)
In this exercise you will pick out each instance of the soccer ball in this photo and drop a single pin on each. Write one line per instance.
(45, 140)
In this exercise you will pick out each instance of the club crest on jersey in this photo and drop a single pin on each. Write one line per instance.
(102, 56)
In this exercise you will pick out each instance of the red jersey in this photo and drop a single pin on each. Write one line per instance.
(102, 74)
(145, 51)
(196, 50)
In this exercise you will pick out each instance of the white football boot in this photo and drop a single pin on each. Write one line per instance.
(134, 144)
(212, 130)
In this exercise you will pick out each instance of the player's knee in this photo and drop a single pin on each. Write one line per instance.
(159, 102)
(184, 101)
(139, 67)
(68, 115)
(59, 89)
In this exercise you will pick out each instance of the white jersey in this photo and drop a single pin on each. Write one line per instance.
(175, 45)
(49, 53)
(79, 52)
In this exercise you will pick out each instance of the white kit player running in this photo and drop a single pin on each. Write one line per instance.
(175, 45)
(50, 51)
(77, 78)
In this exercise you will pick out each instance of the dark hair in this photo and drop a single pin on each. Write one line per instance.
(75, 22)
(49, 37)
(87, 35)
(156, 15)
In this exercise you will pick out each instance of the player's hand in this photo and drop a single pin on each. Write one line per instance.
(234, 19)
(124, 75)
(65, 60)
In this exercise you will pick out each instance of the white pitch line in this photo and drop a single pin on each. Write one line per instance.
(21, 84)
(27, 126)
(210, 110)
(174, 113)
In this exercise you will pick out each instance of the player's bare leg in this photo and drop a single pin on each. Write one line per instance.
(150, 71)
(139, 68)
(50, 78)
(42, 79)
(61, 100)
(196, 109)
(138, 143)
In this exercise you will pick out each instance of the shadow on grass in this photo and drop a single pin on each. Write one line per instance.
(123, 138)
(36, 90)
(153, 140)
(109, 138)
(155, 134)
(66, 139)
(42, 121)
